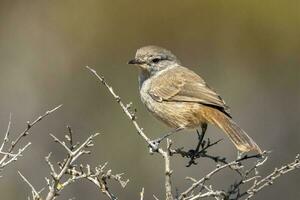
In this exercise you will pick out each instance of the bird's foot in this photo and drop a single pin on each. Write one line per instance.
(154, 144)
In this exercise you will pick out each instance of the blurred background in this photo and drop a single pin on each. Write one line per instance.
(247, 50)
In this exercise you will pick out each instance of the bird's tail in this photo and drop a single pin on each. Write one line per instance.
(237, 135)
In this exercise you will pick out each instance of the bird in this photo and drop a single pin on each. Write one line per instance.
(181, 99)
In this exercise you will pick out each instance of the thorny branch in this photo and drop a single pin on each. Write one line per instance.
(7, 149)
(132, 117)
(204, 190)
(35, 194)
(199, 152)
(67, 172)
(235, 165)
(259, 184)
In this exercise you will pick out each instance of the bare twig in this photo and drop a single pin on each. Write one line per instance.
(248, 176)
(142, 194)
(125, 108)
(6, 137)
(56, 185)
(67, 172)
(234, 192)
(168, 171)
(7, 151)
(30, 125)
(35, 194)
(205, 178)
(199, 152)
(269, 179)
(132, 117)
(199, 188)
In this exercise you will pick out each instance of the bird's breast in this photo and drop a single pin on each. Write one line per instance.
(144, 93)
(173, 114)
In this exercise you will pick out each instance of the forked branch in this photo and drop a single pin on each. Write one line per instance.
(8, 149)
(199, 189)
(67, 171)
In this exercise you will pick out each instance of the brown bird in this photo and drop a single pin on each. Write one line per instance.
(182, 99)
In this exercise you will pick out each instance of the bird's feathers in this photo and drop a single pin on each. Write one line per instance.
(181, 84)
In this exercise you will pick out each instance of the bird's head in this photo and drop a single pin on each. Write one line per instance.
(153, 59)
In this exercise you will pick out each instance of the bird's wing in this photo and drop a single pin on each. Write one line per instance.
(182, 84)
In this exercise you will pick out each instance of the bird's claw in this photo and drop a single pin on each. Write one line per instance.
(154, 145)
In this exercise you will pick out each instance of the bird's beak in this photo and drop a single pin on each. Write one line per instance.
(135, 62)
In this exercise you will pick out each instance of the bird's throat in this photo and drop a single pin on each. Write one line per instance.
(143, 76)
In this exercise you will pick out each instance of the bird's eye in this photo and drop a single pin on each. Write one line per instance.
(155, 60)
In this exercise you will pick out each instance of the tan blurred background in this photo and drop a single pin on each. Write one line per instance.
(247, 50)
